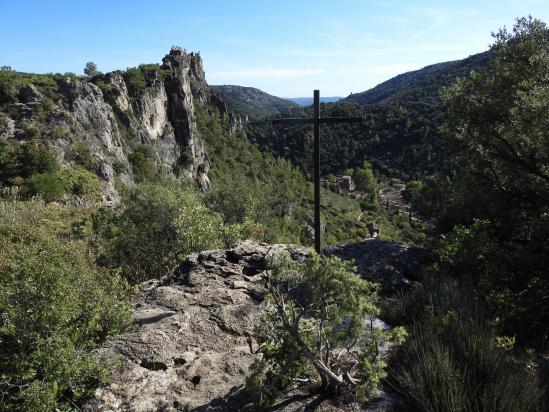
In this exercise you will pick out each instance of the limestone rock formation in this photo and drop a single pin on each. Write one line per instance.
(192, 347)
(111, 119)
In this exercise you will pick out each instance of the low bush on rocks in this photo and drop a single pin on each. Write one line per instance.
(454, 359)
(318, 332)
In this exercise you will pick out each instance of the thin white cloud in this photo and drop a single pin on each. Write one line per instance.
(265, 73)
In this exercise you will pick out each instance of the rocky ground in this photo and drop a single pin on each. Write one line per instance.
(191, 347)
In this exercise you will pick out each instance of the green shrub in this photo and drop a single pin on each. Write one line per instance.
(81, 154)
(453, 359)
(135, 81)
(31, 129)
(59, 133)
(49, 186)
(317, 331)
(154, 228)
(53, 186)
(81, 182)
(55, 307)
(24, 161)
(142, 162)
(11, 82)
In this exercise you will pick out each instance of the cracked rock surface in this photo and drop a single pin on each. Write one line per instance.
(190, 349)
(393, 265)
(191, 345)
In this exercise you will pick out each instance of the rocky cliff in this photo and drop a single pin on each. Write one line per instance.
(192, 349)
(109, 117)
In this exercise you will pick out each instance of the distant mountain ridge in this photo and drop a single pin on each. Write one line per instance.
(400, 134)
(430, 79)
(307, 101)
(252, 102)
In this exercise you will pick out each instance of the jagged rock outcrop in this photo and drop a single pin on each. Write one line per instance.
(184, 84)
(110, 119)
(192, 349)
(192, 346)
(393, 265)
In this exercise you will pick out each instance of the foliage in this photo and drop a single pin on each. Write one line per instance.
(453, 359)
(142, 162)
(136, 78)
(49, 186)
(90, 69)
(55, 306)
(80, 153)
(53, 186)
(11, 82)
(154, 229)
(399, 134)
(365, 181)
(24, 161)
(494, 194)
(251, 102)
(274, 195)
(314, 331)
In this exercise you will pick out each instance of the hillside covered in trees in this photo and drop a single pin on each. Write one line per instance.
(400, 133)
(116, 188)
(253, 103)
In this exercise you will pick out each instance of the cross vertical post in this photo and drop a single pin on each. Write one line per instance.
(316, 174)
(316, 120)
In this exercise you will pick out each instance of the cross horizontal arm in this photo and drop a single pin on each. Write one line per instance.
(326, 120)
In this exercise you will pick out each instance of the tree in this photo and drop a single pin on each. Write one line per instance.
(90, 69)
(365, 181)
(498, 125)
(318, 330)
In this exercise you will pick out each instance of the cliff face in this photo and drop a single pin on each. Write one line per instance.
(109, 117)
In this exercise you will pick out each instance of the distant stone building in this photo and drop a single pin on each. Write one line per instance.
(347, 183)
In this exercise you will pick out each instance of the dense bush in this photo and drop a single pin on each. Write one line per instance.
(142, 161)
(55, 307)
(24, 161)
(492, 200)
(157, 226)
(11, 82)
(453, 359)
(136, 77)
(69, 181)
(317, 331)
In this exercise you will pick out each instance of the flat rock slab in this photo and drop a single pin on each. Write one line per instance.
(191, 343)
(190, 348)
(391, 264)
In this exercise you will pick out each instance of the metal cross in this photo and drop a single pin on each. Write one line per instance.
(317, 120)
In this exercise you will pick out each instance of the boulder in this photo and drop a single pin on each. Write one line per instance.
(393, 265)
(192, 348)
(30, 94)
(192, 343)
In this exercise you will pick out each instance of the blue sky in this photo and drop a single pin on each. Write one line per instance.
(287, 48)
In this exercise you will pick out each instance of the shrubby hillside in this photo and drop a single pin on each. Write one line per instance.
(112, 179)
(400, 134)
(252, 103)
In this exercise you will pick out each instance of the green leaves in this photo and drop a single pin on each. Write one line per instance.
(317, 330)
(498, 126)
(55, 306)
